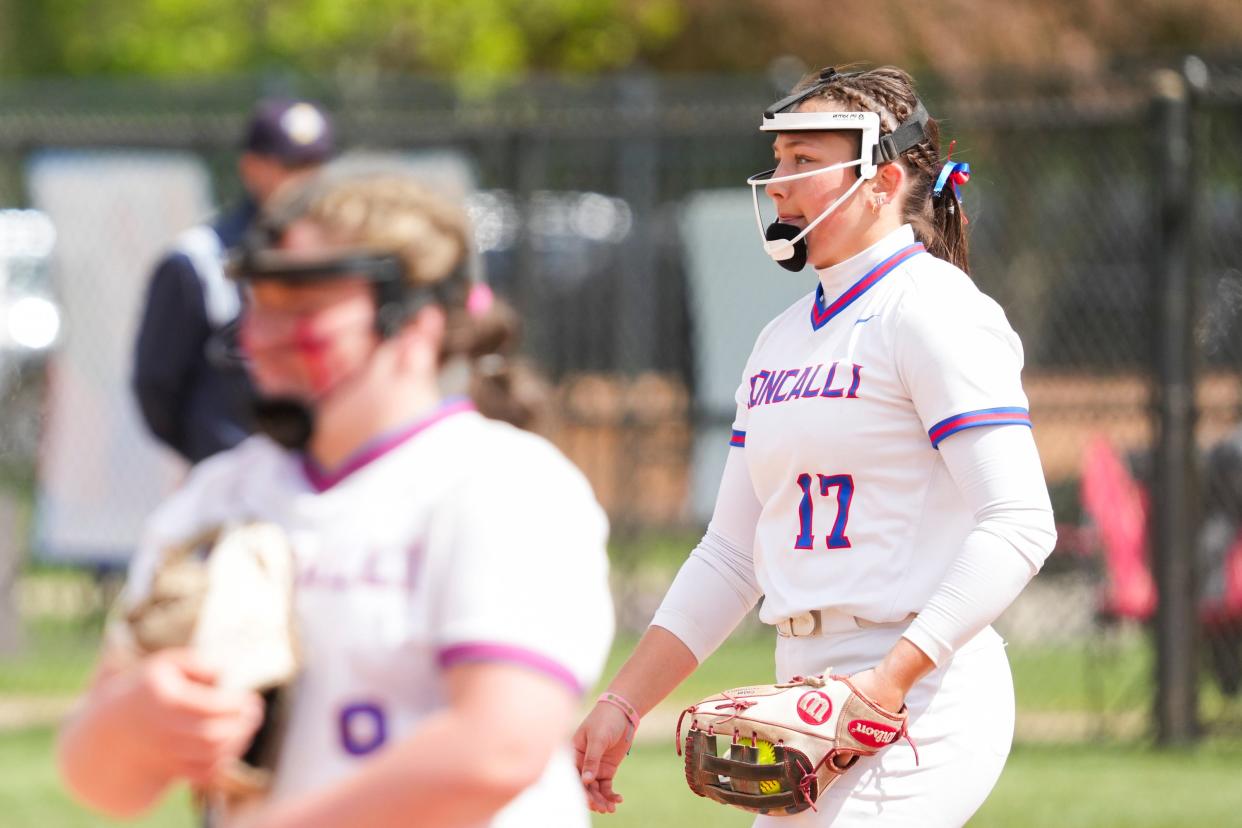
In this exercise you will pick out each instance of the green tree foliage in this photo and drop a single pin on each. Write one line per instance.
(470, 38)
(486, 40)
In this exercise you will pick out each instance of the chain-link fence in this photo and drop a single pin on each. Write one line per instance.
(585, 197)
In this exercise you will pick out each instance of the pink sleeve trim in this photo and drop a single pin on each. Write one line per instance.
(483, 651)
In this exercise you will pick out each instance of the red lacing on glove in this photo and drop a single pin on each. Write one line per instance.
(804, 784)
(677, 736)
(905, 734)
(738, 705)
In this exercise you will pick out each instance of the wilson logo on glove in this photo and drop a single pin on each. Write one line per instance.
(775, 748)
(814, 707)
(873, 734)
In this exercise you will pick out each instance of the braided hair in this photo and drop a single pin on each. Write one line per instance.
(938, 223)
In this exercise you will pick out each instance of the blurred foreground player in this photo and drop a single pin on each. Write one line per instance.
(451, 598)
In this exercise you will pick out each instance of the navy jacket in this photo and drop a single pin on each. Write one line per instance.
(194, 394)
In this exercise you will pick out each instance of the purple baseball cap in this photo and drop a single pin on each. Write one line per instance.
(296, 133)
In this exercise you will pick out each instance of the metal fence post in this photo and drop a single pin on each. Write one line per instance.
(11, 638)
(638, 169)
(1175, 484)
(638, 172)
(529, 147)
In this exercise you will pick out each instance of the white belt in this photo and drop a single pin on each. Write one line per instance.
(820, 622)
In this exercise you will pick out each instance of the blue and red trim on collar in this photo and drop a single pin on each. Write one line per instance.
(972, 419)
(821, 315)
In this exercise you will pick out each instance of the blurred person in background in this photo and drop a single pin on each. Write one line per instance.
(451, 592)
(883, 493)
(194, 398)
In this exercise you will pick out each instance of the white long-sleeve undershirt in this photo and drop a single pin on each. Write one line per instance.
(998, 473)
(716, 586)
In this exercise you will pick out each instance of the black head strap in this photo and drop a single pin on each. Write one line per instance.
(396, 298)
(826, 77)
(911, 133)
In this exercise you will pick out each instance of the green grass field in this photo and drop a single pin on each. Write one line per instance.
(1087, 782)
(1087, 786)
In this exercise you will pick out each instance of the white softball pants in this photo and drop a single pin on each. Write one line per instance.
(961, 720)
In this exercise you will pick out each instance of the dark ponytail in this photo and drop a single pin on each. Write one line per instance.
(889, 92)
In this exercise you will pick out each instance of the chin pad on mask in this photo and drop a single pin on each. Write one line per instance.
(286, 420)
(791, 256)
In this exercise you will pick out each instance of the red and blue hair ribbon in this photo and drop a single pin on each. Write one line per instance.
(954, 174)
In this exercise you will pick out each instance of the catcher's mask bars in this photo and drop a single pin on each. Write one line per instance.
(290, 420)
(785, 243)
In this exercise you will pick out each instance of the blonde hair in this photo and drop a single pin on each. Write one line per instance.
(386, 209)
(393, 213)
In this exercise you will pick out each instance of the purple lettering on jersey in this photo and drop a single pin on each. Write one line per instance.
(844, 484)
(785, 375)
(809, 392)
(769, 386)
(362, 728)
(800, 385)
(756, 387)
(315, 576)
(829, 391)
(806, 514)
(852, 394)
(371, 568)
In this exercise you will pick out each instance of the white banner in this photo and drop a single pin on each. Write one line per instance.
(735, 289)
(100, 471)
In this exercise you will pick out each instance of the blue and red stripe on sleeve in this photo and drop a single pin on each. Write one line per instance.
(738, 440)
(972, 419)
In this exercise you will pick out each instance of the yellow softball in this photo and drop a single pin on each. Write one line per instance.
(767, 756)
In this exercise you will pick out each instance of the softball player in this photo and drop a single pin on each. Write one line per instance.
(883, 493)
(451, 588)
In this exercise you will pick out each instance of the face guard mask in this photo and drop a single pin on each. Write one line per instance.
(785, 243)
(290, 419)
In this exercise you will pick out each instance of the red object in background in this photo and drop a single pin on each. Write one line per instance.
(1118, 507)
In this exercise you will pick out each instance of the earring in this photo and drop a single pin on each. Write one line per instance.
(876, 203)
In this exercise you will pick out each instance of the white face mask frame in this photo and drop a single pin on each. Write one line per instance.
(868, 123)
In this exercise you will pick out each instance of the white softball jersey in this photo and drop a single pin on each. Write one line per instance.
(843, 406)
(882, 465)
(455, 539)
